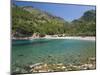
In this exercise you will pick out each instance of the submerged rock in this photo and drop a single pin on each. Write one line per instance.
(34, 65)
(56, 67)
(20, 55)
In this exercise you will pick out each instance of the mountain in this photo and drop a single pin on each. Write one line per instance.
(28, 20)
(85, 25)
(89, 15)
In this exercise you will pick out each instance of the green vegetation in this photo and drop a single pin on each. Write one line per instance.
(28, 20)
(86, 25)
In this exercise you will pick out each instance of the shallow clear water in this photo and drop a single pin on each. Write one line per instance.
(51, 51)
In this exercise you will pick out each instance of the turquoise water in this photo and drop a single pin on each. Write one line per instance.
(51, 51)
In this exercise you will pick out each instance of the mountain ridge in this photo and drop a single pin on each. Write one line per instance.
(27, 20)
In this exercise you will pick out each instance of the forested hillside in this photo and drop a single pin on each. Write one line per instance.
(85, 25)
(28, 20)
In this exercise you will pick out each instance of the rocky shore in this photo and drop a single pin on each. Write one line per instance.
(59, 67)
(59, 36)
(53, 37)
(92, 38)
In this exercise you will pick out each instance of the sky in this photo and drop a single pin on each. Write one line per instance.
(68, 12)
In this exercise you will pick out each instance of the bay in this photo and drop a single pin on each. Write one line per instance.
(51, 51)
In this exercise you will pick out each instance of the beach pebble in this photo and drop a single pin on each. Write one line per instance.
(63, 67)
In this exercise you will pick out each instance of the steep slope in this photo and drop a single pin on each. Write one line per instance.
(85, 25)
(28, 20)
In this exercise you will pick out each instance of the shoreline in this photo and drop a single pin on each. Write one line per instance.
(58, 67)
(89, 38)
